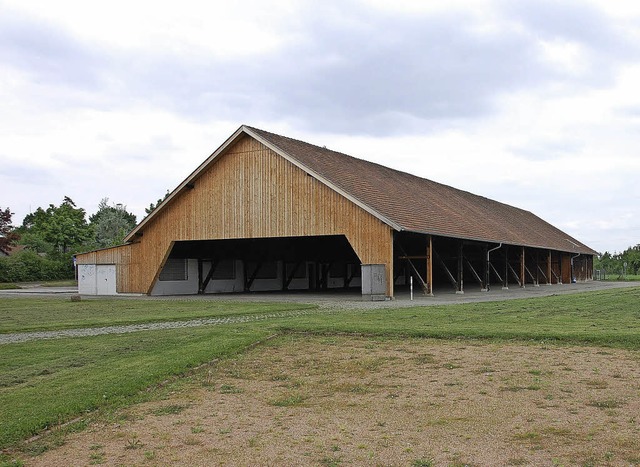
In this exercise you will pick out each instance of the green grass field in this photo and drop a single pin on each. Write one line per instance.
(29, 314)
(46, 383)
(607, 318)
(627, 277)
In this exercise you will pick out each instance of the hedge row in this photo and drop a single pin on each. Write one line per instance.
(28, 266)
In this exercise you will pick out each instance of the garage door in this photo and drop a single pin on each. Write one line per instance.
(106, 279)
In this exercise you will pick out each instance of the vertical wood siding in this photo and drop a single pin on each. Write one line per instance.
(248, 192)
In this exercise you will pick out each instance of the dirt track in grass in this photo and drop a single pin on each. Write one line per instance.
(358, 401)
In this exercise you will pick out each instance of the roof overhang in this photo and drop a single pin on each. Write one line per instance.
(574, 247)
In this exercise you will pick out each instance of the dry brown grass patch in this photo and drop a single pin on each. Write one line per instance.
(356, 401)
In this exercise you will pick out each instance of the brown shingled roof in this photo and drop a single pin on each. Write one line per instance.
(420, 205)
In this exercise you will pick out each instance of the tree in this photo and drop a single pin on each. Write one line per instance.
(8, 236)
(632, 257)
(152, 206)
(111, 223)
(62, 228)
(614, 263)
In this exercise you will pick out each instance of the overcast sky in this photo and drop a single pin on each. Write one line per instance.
(532, 103)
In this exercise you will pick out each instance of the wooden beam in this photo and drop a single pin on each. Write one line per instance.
(293, 273)
(446, 269)
(505, 284)
(533, 278)
(429, 290)
(323, 277)
(460, 280)
(515, 274)
(351, 275)
(345, 275)
(487, 269)
(475, 274)
(423, 284)
(522, 268)
(495, 271)
(205, 283)
(412, 266)
(249, 282)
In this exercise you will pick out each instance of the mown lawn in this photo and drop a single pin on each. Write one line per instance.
(44, 383)
(21, 314)
(607, 318)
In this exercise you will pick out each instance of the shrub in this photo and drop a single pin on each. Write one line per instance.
(28, 266)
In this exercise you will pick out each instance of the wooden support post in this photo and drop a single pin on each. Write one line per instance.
(327, 268)
(244, 275)
(560, 268)
(487, 270)
(522, 268)
(537, 280)
(549, 267)
(284, 275)
(460, 288)
(199, 275)
(429, 290)
(505, 284)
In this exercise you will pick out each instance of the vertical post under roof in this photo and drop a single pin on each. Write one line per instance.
(505, 284)
(522, 268)
(460, 289)
(429, 290)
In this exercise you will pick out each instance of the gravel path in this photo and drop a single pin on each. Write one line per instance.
(124, 329)
(327, 303)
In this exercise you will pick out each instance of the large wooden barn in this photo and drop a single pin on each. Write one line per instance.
(267, 212)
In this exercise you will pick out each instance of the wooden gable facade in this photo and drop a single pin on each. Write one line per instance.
(247, 191)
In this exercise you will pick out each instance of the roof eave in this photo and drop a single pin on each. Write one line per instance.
(583, 250)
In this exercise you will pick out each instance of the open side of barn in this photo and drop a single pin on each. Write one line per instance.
(266, 212)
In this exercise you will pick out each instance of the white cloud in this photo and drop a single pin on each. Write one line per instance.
(532, 103)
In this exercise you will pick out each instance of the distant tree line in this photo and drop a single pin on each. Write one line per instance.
(613, 264)
(43, 246)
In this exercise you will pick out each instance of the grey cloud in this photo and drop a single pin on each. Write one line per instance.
(606, 46)
(385, 74)
(355, 79)
(48, 54)
(361, 72)
(572, 20)
(24, 174)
